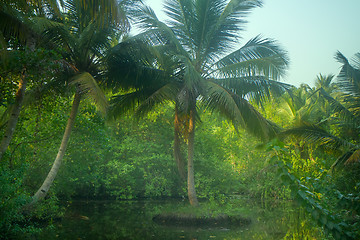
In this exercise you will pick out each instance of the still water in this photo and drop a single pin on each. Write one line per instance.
(133, 220)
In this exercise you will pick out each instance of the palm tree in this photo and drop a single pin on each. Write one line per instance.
(345, 115)
(85, 42)
(306, 104)
(15, 22)
(295, 105)
(200, 38)
(25, 20)
(325, 82)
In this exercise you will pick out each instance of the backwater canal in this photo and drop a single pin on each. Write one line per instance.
(133, 220)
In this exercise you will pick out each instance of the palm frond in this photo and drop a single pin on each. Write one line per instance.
(192, 86)
(239, 111)
(182, 18)
(101, 42)
(145, 17)
(12, 21)
(313, 134)
(219, 99)
(164, 94)
(255, 123)
(135, 65)
(124, 103)
(145, 71)
(349, 77)
(230, 22)
(325, 82)
(343, 111)
(355, 157)
(87, 85)
(41, 24)
(254, 87)
(207, 13)
(106, 12)
(257, 57)
(348, 157)
(58, 34)
(157, 32)
(142, 101)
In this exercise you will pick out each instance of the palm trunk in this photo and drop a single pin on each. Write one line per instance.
(19, 98)
(15, 112)
(191, 180)
(43, 190)
(177, 147)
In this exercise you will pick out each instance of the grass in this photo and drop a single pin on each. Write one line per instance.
(210, 214)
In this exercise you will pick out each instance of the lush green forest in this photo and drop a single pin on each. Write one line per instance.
(179, 110)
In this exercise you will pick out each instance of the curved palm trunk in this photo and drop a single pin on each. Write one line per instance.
(177, 146)
(191, 180)
(43, 190)
(15, 112)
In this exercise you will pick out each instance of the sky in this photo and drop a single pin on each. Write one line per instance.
(312, 31)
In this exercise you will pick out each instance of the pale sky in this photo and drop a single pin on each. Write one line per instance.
(310, 30)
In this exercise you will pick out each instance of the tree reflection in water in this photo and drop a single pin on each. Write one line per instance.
(133, 220)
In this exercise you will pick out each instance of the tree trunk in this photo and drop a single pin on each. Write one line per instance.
(177, 147)
(19, 98)
(43, 190)
(15, 112)
(191, 180)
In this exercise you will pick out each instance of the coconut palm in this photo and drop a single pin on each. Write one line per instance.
(85, 42)
(306, 104)
(295, 106)
(201, 38)
(25, 20)
(345, 116)
(325, 82)
(15, 23)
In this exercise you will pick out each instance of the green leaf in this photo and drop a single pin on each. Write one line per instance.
(88, 86)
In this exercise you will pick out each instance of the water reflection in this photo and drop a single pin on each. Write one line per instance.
(133, 220)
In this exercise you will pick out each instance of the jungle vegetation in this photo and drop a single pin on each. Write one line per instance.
(181, 109)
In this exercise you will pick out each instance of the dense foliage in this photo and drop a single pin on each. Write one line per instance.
(314, 160)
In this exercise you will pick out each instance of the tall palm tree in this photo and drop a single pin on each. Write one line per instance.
(85, 42)
(201, 38)
(15, 22)
(24, 20)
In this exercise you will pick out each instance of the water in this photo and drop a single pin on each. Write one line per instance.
(133, 220)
